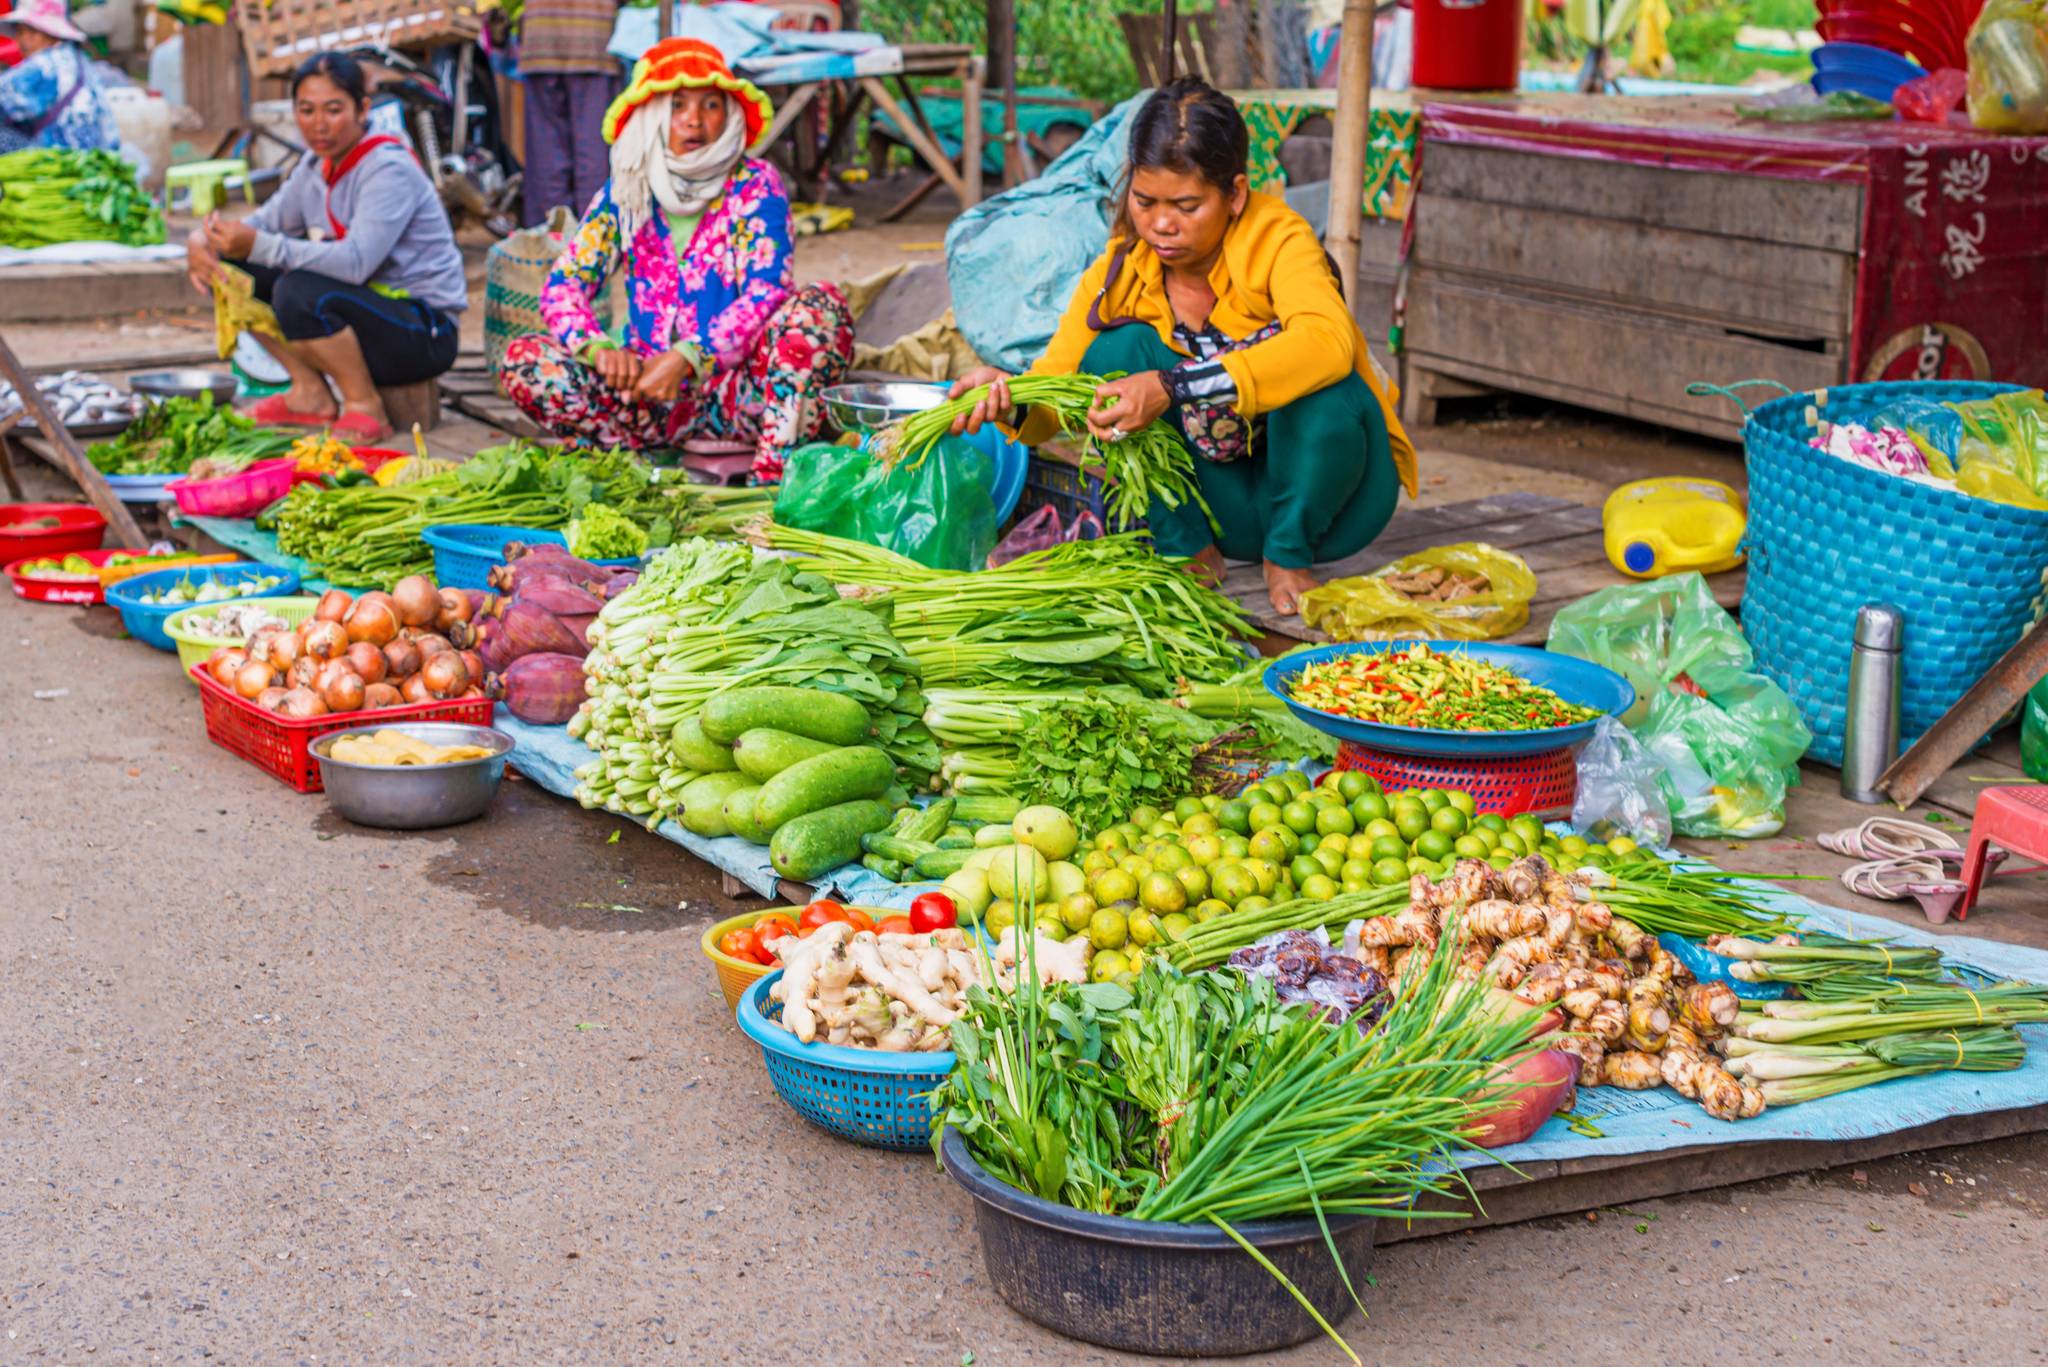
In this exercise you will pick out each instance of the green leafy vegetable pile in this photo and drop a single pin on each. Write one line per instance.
(50, 195)
(603, 532)
(174, 433)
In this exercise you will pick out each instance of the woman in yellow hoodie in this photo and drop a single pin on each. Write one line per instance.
(1224, 314)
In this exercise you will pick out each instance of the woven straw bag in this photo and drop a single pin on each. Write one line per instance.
(514, 272)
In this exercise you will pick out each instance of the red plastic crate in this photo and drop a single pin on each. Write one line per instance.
(1543, 784)
(281, 746)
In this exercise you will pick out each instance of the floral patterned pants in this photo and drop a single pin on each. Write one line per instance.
(770, 399)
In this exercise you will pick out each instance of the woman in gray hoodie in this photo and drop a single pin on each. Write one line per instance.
(355, 256)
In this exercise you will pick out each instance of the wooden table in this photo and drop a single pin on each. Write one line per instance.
(847, 99)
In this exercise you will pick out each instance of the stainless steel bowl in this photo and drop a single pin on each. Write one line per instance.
(866, 408)
(184, 384)
(406, 797)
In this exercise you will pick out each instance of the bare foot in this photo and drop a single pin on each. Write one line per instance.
(1207, 565)
(1285, 587)
(314, 402)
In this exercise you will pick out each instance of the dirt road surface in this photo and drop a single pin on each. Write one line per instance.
(274, 1088)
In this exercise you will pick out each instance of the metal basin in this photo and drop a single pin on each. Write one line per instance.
(406, 797)
(184, 384)
(866, 408)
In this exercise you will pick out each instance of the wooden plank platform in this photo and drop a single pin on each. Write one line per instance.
(1560, 539)
(68, 293)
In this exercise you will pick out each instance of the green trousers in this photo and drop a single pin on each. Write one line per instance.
(1319, 487)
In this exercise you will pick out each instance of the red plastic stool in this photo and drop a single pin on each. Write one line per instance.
(2014, 819)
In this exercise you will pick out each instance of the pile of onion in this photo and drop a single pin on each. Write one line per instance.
(359, 654)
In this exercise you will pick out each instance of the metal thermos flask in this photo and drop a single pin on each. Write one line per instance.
(1871, 739)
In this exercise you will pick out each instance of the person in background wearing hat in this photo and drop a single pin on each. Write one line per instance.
(719, 343)
(570, 81)
(52, 98)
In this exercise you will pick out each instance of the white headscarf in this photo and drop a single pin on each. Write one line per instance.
(644, 170)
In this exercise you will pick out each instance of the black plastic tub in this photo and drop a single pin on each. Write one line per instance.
(1174, 1290)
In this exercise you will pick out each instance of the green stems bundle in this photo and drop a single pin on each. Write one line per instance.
(1696, 903)
(1792, 1072)
(1151, 462)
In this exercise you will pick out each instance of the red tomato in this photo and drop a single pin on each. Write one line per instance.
(858, 919)
(818, 913)
(772, 928)
(894, 925)
(933, 911)
(738, 943)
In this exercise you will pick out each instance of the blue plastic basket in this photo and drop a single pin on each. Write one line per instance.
(1827, 536)
(145, 621)
(864, 1095)
(464, 554)
(1574, 680)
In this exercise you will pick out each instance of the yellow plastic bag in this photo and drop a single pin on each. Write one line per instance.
(1467, 592)
(2008, 53)
(236, 310)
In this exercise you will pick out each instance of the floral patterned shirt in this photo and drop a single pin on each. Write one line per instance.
(710, 301)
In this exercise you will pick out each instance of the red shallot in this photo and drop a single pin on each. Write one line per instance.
(333, 606)
(402, 660)
(367, 661)
(343, 692)
(374, 623)
(381, 695)
(419, 602)
(252, 678)
(302, 702)
(326, 640)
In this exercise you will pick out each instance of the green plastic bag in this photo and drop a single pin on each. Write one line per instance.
(2034, 733)
(940, 514)
(1728, 738)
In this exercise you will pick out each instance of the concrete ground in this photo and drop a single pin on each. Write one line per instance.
(277, 1088)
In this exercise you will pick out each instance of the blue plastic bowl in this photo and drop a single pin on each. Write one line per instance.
(1574, 680)
(865, 1095)
(145, 621)
(464, 554)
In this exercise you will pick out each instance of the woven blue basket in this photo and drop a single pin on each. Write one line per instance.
(864, 1095)
(1827, 536)
(464, 554)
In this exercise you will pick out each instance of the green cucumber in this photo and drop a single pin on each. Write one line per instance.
(903, 817)
(987, 807)
(994, 837)
(931, 823)
(810, 712)
(899, 848)
(823, 781)
(820, 841)
(738, 808)
(694, 751)
(955, 840)
(941, 863)
(704, 802)
(897, 796)
(887, 868)
(764, 752)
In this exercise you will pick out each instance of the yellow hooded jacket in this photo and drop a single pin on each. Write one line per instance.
(1272, 267)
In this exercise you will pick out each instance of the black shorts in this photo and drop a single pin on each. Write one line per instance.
(403, 340)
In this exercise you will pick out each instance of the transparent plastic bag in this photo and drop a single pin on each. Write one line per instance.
(1620, 789)
(1393, 601)
(1728, 738)
(940, 514)
(2008, 56)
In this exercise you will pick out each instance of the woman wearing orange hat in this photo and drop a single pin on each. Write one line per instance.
(718, 342)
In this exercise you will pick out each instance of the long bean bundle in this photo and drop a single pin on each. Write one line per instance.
(1149, 463)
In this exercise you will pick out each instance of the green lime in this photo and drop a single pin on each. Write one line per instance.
(1165, 828)
(1236, 846)
(1621, 844)
(1210, 909)
(1493, 821)
(1470, 847)
(1574, 845)
(1053, 930)
(1136, 866)
(1351, 885)
(1411, 822)
(1264, 815)
(1390, 847)
(1231, 883)
(1294, 842)
(1500, 859)
(1113, 886)
(1351, 785)
(1355, 871)
(1266, 872)
(1205, 849)
(1098, 861)
(1369, 808)
(1201, 823)
(1187, 809)
(1113, 840)
(1331, 862)
(1108, 929)
(1107, 966)
(1236, 815)
(1433, 799)
(1163, 892)
(1487, 836)
(1383, 826)
(1319, 888)
(1449, 820)
(1212, 802)
(1462, 800)
(1195, 879)
(1435, 843)
(1296, 781)
(1335, 821)
(1299, 817)
(1529, 828)
(1252, 905)
(1512, 844)
(1417, 864)
(1304, 867)
(1142, 817)
(1339, 843)
(1270, 844)
(1360, 846)
(1171, 859)
(1077, 911)
(1176, 924)
(1388, 872)
(1144, 930)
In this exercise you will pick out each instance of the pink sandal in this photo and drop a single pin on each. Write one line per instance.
(272, 411)
(358, 429)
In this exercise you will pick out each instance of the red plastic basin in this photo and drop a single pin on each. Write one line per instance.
(79, 528)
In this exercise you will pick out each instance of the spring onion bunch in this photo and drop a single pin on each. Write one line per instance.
(1671, 898)
(1149, 463)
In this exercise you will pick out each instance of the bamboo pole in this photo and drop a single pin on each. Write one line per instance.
(64, 450)
(1347, 148)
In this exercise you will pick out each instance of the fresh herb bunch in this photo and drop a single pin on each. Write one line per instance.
(51, 195)
(173, 433)
(1149, 463)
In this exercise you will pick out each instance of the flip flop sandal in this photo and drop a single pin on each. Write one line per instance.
(1887, 837)
(273, 411)
(358, 429)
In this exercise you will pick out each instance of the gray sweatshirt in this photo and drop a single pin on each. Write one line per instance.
(398, 233)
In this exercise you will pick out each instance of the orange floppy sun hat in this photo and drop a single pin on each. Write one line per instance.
(687, 64)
